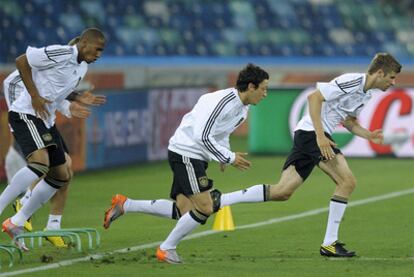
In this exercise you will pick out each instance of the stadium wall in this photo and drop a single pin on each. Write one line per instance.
(128, 76)
(272, 123)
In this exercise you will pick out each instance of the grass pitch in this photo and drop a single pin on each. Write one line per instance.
(381, 231)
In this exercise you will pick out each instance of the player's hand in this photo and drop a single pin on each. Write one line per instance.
(39, 105)
(79, 111)
(241, 162)
(376, 136)
(325, 146)
(222, 167)
(88, 98)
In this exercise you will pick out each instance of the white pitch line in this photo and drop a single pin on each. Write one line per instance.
(210, 232)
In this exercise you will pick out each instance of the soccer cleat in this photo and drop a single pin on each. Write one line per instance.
(28, 223)
(168, 256)
(58, 242)
(336, 249)
(13, 230)
(115, 211)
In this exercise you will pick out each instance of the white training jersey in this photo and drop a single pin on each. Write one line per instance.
(344, 97)
(13, 86)
(56, 73)
(204, 132)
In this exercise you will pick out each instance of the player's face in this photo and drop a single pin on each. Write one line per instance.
(386, 80)
(92, 50)
(259, 93)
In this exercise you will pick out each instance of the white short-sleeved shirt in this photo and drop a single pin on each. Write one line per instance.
(56, 73)
(344, 97)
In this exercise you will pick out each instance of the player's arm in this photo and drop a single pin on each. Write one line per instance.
(352, 125)
(69, 109)
(315, 100)
(205, 131)
(88, 98)
(38, 103)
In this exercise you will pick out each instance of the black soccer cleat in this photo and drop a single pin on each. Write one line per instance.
(336, 249)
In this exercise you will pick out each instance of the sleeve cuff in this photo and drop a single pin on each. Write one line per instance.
(232, 157)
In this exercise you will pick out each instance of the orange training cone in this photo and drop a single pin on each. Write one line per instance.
(223, 220)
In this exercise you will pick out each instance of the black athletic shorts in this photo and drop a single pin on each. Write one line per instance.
(305, 154)
(190, 175)
(18, 149)
(32, 134)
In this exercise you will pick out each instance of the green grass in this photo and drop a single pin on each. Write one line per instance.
(381, 232)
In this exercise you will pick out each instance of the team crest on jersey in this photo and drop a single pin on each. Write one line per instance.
(47, 137)
(203, 181)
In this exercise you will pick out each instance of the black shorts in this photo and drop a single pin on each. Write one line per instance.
(18, 149)
(190, 175)
(32, 134)
(305, 154)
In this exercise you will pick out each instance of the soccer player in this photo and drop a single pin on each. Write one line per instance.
(203, 135)
(15, 159)
(45, 77)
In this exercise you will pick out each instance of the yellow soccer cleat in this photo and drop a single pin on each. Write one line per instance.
(336, 249)
(17, 206)
(57, 242)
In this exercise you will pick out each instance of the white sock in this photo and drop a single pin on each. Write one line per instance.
(160, 207)
(19, 183)
(184, 226)
(336, 212)
(25, 197)
(54, 222)
(40, 194)
(253, 194)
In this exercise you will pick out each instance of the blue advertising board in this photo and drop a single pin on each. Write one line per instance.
(118, 132)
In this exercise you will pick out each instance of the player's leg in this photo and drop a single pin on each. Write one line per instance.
(289, 181)
(203, 208)
(345, 181)
(298, 166)
(57, 205)
(159, 207)
(57, 177)
(58, 200)
(33, 136)
(120, 205)
(190, 179)
(13, 162)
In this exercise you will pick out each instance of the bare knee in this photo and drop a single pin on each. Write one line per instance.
(205, 208)
(58, 177)
(348, 184)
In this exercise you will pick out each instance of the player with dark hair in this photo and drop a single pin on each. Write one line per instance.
(202, 136)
